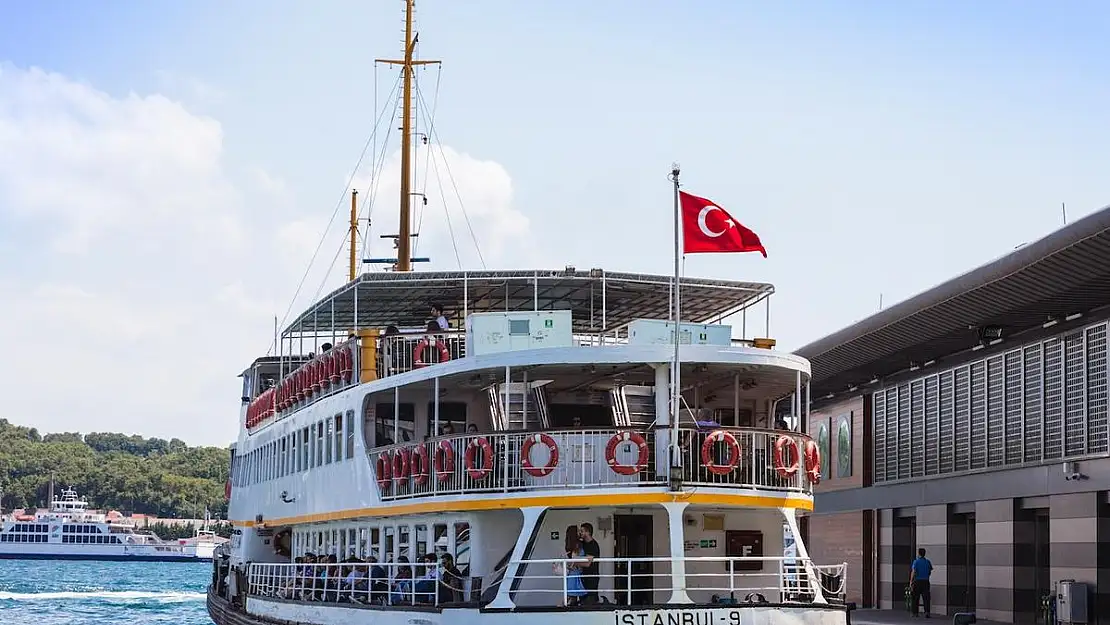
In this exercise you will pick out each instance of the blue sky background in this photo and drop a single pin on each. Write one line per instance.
(877, 147)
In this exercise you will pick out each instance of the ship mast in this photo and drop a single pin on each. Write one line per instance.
(408, 64)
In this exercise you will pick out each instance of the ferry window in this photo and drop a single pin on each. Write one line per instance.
(304, 449)
(403, 542)
(320, 444)
(439, 531)
(350, 434)
(462, 547)
(453, 412)
(295, 453)
(421, 540)
(383, 426)
(338, 437)
(375, 543)
(329, 450)
(353, 543)
(390, 545)
(284, 458)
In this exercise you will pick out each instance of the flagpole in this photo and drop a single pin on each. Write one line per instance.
(676, 310)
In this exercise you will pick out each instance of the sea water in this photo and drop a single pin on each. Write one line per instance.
(44, 592)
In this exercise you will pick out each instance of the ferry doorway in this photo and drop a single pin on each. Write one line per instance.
(633, 540)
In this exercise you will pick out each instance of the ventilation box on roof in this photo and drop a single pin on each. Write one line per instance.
(659, 332)
(497, 332)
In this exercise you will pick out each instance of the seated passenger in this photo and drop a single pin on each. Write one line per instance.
(425, 587)
(402, 583)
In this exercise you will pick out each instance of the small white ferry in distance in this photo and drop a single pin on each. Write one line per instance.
(70, 531)
(505, 447)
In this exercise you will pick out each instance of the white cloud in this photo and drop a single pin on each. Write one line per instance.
(147, 281)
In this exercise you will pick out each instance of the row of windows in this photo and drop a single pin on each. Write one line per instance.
(92, 540)
(30, 528)
(23, 538)
(80, 529)
(387, 543)
(324, 442)
(1043, 401)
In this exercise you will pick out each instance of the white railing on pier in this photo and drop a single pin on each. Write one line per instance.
(371, 583)
(579, 460)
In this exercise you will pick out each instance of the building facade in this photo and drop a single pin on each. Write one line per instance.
(976, 425)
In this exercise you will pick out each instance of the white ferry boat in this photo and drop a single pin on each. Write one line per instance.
(502, 447)
(70, 531)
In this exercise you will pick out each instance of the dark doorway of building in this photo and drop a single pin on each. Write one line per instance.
(961, 563)
(902, 552)
(1042, 578)
(633, 536)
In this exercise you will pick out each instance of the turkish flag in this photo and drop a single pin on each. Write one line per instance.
(706, 227)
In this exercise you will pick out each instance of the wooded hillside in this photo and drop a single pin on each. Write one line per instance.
(130, 474)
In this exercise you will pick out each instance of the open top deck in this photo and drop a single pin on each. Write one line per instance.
(597, 299)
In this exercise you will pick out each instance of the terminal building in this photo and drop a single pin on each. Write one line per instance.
(972, 420)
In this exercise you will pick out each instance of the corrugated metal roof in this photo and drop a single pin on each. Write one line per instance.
(1066, 272)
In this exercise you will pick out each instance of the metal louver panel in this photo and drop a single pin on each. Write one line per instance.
(947, 422)
(978, 415)
(917, 428)
(1034, 406)
(963, 418)
(878, 412)
(1075, 395)
(996, 411)
(892, 433)
(1012, 431)
(905, 431)
(1053, 399)
(1097, 390)
(932, 427)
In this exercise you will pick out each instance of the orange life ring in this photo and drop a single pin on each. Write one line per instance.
(611, 453)
(785, 470)
(470, 462)
(526, 458)
(418, 462)
(317, 369)
(384, 469)
(418, 353)
(813, 461)
(334, 358)
(345, 360)
(325, 369)
(306, 372)
(401, 466)
(707, 452)
(444, 460)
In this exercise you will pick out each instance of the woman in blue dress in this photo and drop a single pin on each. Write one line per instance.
(576, 556)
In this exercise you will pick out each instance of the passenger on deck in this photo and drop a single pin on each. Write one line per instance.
(450, 581)
(402, 582)
(439, 319)
(590, 570)
(325, 348)
(425, 587)
(472, 428)
(572, 548)
(780, 423)
(447, 429)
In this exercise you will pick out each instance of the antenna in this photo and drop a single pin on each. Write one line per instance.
(354, 234)
(408, 64)
(1064, 212)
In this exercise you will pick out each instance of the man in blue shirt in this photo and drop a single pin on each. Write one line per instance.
(920, 571)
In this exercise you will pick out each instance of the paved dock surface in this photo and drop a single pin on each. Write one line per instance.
(903, 617)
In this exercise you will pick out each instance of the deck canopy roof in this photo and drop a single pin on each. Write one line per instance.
(597, 299)
(1064, 273)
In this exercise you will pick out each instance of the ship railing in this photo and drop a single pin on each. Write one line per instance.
(585, 459)
(409, 350)
(708, 580)
(369, 583)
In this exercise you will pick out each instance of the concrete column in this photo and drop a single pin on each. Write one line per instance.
(994, 560)
(1074, 538)
(932, 536)
(895, 549)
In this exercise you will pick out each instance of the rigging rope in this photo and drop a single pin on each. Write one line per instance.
(436, 141)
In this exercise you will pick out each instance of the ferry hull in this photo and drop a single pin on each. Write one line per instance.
(272, 612)
(101, 557)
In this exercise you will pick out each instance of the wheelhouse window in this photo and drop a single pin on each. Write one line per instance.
(453, 412)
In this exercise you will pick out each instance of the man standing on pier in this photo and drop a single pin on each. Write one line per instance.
(920, 571)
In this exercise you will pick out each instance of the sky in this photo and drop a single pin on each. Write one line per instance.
(168, 169)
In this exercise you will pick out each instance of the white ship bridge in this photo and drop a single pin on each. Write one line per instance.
(541, 412)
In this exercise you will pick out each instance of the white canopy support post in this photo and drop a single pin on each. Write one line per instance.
(513, 570)
(662, 433)
(791, 516)
(677, 542)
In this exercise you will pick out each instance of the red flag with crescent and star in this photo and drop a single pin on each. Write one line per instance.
(707, 228)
